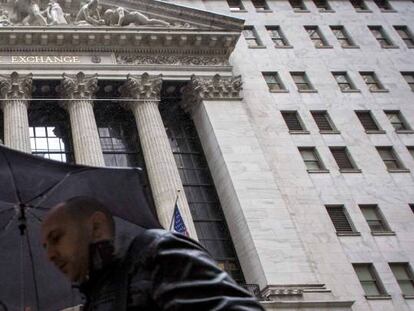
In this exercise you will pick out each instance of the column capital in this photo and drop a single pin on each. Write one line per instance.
(16, 86)
(78, 86)
(144, 87)
(210, 88)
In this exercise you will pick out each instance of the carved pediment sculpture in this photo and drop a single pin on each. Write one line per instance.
(28, 13)
(123, 17)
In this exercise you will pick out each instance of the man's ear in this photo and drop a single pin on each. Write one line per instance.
(99, 226)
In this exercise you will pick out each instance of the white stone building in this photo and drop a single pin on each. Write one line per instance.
(300, 182)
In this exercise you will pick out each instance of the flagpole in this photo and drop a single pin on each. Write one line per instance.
(175, 206)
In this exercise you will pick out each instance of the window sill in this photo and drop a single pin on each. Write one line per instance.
(264, 11)
(391, 47)
(378, 297)
(380, 91)
(408, 296)
(363, 11)
(351, 47)
(278, 91)
(350, 170)
(388, 11)
(385, 233)
(326, 11)
(351, 91)
(404, 131)
(238, 11)
(375, 132)
(348, 233)
(308, 91)
(318, 171)
(324, 47)
(283, 46)
(301, 11)
(298, 132)
(329, 132)
(257, 47)
(399, 170)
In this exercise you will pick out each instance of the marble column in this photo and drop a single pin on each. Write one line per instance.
(161, 167)
(16, 91)
(79, 91)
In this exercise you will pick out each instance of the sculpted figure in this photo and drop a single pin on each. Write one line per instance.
(4, 18)
(27, 12)
(55, 14)
(123, 17)
(89, 14)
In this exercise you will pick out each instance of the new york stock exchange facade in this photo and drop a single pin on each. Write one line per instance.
(161, 95)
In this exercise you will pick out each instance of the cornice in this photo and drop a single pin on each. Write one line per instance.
(109, 39)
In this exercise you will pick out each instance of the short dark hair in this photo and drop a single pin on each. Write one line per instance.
(82, 207)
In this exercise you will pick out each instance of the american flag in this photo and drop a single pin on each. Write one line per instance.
(177, 224)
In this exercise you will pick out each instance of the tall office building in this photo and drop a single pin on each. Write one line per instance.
(288, 124)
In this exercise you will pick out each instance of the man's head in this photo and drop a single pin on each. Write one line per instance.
(69, 229)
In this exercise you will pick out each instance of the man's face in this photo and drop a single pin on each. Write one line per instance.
(67, 244)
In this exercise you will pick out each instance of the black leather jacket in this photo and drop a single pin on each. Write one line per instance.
(163, 271)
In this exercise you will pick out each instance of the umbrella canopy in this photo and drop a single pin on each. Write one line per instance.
(29, 187)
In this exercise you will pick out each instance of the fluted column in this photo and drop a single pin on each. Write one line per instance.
(79, 91)
(16, 91)
(159, 160)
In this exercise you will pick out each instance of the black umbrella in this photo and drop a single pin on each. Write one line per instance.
(29, 187)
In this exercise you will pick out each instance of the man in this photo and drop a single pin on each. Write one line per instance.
(159, 271)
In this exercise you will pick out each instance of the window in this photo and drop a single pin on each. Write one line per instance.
(311, 159)
(118, 136)
(368, 121)
(235, 5)
(359, 5)
(49, 127)
(411, 150)
(343, 159)
(322, 5)
(409, 78)
(260, 5)
(46, 142)
(369, 279)
(379, 34)
(404, 277)
(277, 36)
(302, 82)
(390, 159)
(397, 120)
(293, 121)
(340, 219)
(405, 35)
(344, 82)
(412, 207)
(342, 36)
(384, 5)
(316, 36)
(371, 80)
(298, 5)
(205, 207)
(324, 122)
(251, 37)
(273, 82)
(374, 218)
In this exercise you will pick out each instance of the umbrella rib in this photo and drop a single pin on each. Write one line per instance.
(4, 228)
(35, 216)
(33, 270)
(17, 192)
(46, 193)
